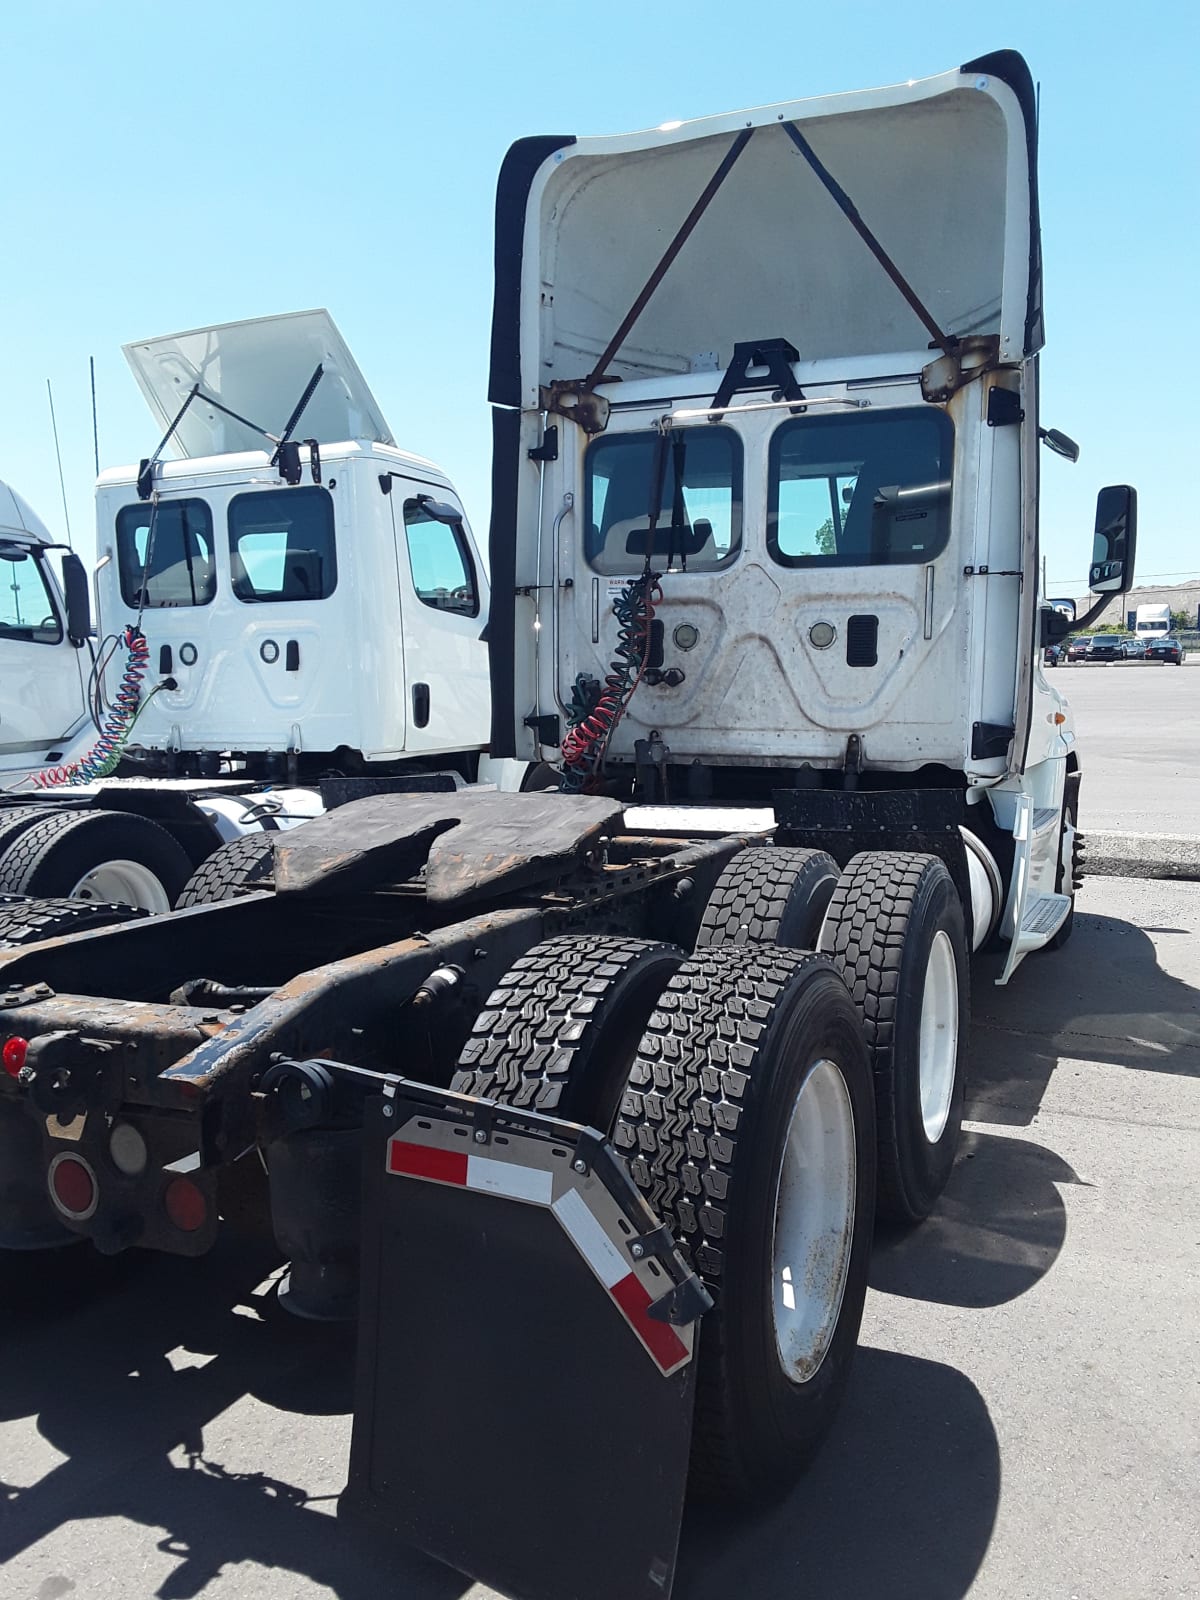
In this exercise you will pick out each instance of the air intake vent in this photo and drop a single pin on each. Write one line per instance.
(862, 641)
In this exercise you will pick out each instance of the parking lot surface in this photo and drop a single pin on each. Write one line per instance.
(1139, 740)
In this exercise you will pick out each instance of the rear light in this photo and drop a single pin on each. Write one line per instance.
(185, 1205)
(13, 1056)
(73, 1187)
(127, 1150)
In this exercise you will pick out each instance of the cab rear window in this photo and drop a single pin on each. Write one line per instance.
(165, 554)
(282, 546)
(855, 491)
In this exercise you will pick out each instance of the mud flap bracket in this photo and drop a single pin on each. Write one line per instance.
(527, 1349)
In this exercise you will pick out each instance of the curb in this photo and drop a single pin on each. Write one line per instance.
(1141, 855)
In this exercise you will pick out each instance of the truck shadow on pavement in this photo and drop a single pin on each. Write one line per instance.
(997, 1230)
(1001, 1223)
(119, 1384)
(900, 1503)
(1102, 998)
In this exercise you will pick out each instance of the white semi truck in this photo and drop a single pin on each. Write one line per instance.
(586, 1101)
(1151, 622)
(271, 616)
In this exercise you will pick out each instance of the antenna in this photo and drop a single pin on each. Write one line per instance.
(95, 428)
(62, 482)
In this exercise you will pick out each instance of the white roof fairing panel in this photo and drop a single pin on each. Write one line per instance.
(258, 368)
(17, 516)
(940, 171)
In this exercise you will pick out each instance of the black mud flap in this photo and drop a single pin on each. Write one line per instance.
(527, 1351)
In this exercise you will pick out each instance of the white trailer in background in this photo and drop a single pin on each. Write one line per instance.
(312, 612)
(1151, 622)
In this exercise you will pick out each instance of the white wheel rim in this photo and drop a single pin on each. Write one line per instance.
(126, 883)
(814, 1222)
(938, 1046)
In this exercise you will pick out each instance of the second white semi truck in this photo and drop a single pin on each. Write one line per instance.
(272, 615)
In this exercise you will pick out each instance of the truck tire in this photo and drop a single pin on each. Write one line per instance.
(14, 820)
(242, 866)
(97, 856)
(767, 896)
(896, 931)
(30, 921)
(748, 1124)
(560, 1031)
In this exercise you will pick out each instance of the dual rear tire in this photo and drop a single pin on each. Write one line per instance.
(893, 924)
(736, 1086)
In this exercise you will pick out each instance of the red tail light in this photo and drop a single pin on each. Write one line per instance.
(13, 1056)
(73, 1187)
(185, 1205)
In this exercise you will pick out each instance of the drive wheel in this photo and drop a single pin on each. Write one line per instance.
(895, 929)
(748, 1124)
(560, 1030)
(240, 867)
(31, 921)
(97, 856)
(767, 896)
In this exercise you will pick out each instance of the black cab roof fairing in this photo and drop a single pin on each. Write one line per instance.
(943, 171)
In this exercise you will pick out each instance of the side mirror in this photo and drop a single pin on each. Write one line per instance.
(79, 610)
(1115, 543)
(439, 510)
(1061, 443)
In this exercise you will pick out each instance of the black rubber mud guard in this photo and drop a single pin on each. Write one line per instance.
(526, 1369)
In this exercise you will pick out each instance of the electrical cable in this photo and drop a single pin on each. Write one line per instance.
(127, 706)
(592, 723)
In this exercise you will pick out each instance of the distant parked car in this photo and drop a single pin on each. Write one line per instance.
(1167, 650)
(1132, 647)
(1052, 655)
(1078, 649)
(1105, 647)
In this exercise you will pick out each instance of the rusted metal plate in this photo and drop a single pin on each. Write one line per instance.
(474, 843)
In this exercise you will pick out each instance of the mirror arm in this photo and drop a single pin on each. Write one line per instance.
(1090, 615)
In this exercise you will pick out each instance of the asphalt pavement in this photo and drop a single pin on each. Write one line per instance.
(1139, 742)
(1022, 1422)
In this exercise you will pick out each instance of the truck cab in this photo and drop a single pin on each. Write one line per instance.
(45, 659)
(810, 424)
(328, 604)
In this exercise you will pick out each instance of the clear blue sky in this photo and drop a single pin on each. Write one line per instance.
(173, 165)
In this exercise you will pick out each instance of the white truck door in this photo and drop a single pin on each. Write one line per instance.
(444, 598)
(41, 673)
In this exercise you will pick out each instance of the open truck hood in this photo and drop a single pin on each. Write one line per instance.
(259, 369)
(942, 171)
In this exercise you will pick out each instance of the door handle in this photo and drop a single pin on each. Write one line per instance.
(291, 658)
(164, 660)
(420, 704)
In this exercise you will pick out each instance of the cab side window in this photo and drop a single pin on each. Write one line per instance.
(26, 609)
(443, 573)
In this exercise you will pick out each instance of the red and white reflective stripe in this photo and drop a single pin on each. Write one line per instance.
(606, 1261)
(535, 1186)
(470, 1171)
